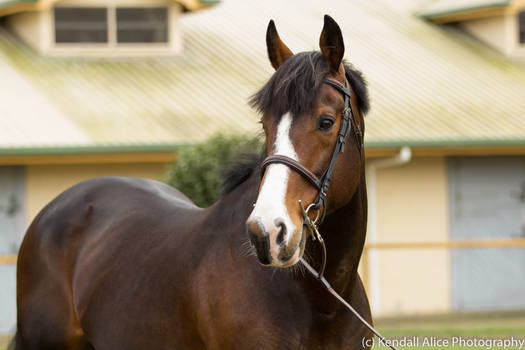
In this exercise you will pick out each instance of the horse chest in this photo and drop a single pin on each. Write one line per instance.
(276, 315)
(265, 333)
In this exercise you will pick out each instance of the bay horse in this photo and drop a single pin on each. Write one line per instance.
(128, 263)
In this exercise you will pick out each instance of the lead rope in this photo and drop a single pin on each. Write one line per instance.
(314, 232)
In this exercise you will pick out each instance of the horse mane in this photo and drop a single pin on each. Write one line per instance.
(240, 170)
(359, 84)
(294, 86)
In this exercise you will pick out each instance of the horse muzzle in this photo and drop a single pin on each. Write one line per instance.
(274, 243)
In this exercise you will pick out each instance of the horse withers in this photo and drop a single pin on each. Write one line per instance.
(128, 263)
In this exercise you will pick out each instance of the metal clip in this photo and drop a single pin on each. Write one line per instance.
(314, 232)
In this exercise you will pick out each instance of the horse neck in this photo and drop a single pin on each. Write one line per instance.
(233, 209)
(343, 232)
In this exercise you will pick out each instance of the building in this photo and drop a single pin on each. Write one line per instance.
(445, 139)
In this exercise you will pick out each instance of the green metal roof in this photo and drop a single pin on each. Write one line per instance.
(441, 8)
(98, 149)
(210, 2)
(430, 86)
(7, 3)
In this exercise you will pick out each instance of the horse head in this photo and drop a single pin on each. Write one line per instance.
(310, 110)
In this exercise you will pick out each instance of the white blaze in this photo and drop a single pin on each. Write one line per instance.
(270, 204)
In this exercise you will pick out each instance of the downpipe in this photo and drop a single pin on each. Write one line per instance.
(403, 157)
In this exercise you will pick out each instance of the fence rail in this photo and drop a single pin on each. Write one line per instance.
(480, 243)
(7, 259)
(485, 243)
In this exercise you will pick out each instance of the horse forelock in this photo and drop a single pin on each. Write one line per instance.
(294, 86)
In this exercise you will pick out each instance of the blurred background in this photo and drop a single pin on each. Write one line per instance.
(126, 87)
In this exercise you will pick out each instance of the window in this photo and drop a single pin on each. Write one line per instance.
(521, 25)
(111, 26)
(81, 25)
(142, 25)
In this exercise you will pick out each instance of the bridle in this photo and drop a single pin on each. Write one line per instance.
(322, 184)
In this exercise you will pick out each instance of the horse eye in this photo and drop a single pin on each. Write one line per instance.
(325, 123)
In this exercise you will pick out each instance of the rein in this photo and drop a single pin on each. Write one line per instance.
(322, 184)
(348, 306)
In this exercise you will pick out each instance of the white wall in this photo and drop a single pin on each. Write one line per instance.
(499, 32)
(413, 207)
(491, 30)
(29, 27)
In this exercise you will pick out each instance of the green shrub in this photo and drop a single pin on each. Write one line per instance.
(198, 171)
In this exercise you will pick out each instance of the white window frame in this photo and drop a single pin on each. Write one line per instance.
(112, 48)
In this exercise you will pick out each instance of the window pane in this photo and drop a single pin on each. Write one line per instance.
(142, 25)
(521, 21)
(81, 25)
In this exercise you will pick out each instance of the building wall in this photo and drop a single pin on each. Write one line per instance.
(45, 182)
(492, 30)
(29, 27)
(499, 32)
(413, 207)
(412, 204)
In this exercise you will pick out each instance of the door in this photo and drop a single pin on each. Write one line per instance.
(487, 196)
(12, 227)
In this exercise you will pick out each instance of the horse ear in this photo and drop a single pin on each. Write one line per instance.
(278, 52)
(331, 43)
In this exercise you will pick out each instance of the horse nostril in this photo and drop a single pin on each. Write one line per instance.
(260, 240)
(279, 222)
